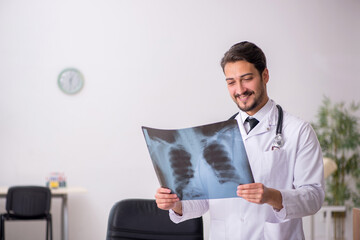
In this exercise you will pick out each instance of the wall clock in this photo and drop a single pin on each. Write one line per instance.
(70, 81)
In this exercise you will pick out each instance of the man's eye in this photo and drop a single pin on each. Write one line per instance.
(230, 83)
(247, 79)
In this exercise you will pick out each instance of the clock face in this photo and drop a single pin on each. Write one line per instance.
(70, 81)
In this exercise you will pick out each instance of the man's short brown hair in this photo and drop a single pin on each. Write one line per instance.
(245, 51)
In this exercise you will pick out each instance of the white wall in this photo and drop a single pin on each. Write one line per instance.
(153, 63)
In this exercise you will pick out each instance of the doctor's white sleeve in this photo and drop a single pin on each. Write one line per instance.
(190, 209)
(308, 194)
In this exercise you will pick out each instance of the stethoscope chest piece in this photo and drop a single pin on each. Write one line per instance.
(278, 142)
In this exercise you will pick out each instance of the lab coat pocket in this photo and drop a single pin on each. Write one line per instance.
(288, 230)
(217, 230)
(275, 169)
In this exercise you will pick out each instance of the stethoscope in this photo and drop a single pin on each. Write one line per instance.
(278, 141)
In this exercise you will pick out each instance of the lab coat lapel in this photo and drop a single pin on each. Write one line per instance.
(262, 127)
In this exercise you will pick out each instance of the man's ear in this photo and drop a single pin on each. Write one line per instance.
(265, 75)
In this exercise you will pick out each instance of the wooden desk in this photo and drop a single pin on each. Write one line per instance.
(356, 223)
(58, 193)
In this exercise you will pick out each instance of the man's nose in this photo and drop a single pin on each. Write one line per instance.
(239, 88)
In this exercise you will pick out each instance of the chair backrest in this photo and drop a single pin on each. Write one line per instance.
(28, 201)
(142, 219)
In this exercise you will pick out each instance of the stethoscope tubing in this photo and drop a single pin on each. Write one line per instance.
(280, 120)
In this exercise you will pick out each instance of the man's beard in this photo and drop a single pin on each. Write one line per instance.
(257, 100)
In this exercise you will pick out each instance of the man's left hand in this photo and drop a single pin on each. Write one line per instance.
(260, 194)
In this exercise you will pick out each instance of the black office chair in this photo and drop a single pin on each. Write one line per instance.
(28, 203)
(135, 219)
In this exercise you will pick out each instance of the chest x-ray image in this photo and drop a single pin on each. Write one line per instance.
(204, 162)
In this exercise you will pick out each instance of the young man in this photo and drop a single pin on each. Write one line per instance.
(289, 177)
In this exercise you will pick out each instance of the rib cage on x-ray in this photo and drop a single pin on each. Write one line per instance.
(198, 163)
(218, 159)
(182, 167)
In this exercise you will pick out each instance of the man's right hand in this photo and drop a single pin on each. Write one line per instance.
(166, 201)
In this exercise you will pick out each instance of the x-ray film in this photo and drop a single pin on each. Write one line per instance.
(204, 162)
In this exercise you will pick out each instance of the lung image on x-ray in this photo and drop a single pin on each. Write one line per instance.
(204, 162)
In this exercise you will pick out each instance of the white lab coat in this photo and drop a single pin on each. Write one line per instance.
(296, 170)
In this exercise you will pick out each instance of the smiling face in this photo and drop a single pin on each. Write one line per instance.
(247, 87)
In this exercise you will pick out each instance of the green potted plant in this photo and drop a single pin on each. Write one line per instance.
(338, 131)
